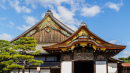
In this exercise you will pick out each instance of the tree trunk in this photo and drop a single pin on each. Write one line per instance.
(24, 65)
(24, 53)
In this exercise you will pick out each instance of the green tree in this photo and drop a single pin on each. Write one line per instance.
(26, 47)
(122, 58)
(129, 58)
(7, 60)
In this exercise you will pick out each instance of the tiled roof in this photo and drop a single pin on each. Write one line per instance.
(126, 64)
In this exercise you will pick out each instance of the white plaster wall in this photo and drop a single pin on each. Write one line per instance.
(101, 67)
(112, 67)
(66, 67)
(16, 71)
(45, 71)
(32, 71)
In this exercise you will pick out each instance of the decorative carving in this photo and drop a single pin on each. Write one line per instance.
(83, 56)
(48, 23)
(48, 30)
(100, 57)
(31, 33)
(66, 57)
(65, 33)
(42, 26)
(83, 34)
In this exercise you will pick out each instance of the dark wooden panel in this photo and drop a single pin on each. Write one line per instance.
(52, 36)
(55, 70)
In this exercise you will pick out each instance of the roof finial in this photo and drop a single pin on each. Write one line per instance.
(83, 24)
(48, 12)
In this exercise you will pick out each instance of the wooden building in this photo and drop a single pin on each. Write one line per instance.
(67, 51)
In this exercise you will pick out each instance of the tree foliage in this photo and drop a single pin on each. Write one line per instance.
(18, 54)
(7, 60)
(127, 59)
(26, 47)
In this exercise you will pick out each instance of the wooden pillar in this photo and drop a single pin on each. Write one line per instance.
(18, 70)
(107, 66)
(126, 69)
(29, 69)
(123, 69)
(72, 66)
(94, 66)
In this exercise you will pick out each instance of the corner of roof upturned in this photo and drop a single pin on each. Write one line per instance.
(48, 12)
(83, 24)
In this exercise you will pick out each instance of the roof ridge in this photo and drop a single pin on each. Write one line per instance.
(72, 31)
(29, 29)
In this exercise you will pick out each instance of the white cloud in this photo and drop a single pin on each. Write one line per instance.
(117, 57)
(123, 54)
(114, 5)
(5, 36)
(3, 1)
(46, 3)
(2, 18)
(66, 16)
(90, 11)
(2, 6)
(43, 14)
(11, 24)
(113, 41)
(23, 28)
(128, 43)
(18, 8)
(126, 53)
(30, 20)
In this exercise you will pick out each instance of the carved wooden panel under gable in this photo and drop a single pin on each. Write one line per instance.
(53, 36)
(83, 56)
(48, 32)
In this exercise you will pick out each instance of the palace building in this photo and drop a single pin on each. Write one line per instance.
(67, 51)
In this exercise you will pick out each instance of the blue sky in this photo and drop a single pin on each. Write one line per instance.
(109, 19)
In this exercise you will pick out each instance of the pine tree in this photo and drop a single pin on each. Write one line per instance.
(26, 47)
(7, 57)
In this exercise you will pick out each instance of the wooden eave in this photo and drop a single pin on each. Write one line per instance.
(116, 60)
(63, 46)
(60, 24)
(103, 43)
